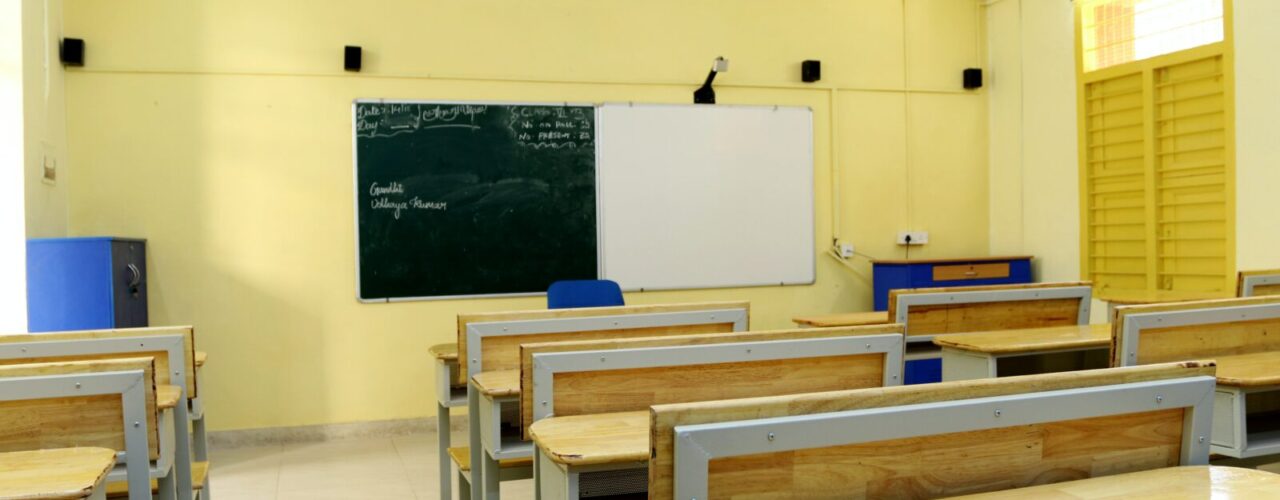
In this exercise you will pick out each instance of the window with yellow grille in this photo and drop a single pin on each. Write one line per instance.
(1156, 163)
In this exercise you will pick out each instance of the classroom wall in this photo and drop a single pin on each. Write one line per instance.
(13, 269)
(221, 132)
(1039, 36)
(1034, 158)
(45, 118)
(1257, 150)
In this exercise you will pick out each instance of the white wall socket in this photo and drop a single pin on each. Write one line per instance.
(917, 237)
(846, 250)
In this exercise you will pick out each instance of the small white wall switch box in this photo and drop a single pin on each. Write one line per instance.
(916, 237)
(846, 250)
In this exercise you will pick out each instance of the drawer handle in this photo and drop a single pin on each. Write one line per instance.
(970, 273)
(135, 276)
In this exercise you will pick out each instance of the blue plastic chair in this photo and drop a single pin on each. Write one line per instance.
(584, 293)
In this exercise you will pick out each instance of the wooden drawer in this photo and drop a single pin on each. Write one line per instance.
(971, 271)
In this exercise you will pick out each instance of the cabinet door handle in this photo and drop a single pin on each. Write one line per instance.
(970, 273)
(135, 275)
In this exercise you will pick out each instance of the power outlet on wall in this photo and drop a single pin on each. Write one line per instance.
(913, 238)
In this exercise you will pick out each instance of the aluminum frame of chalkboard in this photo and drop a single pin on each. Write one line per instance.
(355, 190)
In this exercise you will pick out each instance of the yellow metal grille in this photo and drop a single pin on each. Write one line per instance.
(1117, 229)
(1191, 175)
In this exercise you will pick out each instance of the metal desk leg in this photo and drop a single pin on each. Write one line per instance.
(477, 448)
(443, 438)
(491, 479)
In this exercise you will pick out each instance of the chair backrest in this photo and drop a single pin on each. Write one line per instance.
(1258, 283)
(932, 311)
(616, 375)
(1160, 333)
(935, 440)
(68, 421)
(110, 344)
(500, 334)
(567, 294)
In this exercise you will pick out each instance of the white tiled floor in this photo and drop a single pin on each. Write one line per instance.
(370, 468)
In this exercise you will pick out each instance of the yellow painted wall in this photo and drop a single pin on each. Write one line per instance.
(44, 111)
(221, 131)
(1034, 180)
(1257, 150)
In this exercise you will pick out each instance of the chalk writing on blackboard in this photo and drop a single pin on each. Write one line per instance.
(390, 120)
(389, 197)
(544, 127)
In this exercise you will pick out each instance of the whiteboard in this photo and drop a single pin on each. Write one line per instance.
(702, 196)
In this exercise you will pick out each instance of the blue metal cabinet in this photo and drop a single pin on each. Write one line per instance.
(895, 274)
(86, 283)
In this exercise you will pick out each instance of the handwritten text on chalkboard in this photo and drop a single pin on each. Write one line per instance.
(390, 120)
(391, 197)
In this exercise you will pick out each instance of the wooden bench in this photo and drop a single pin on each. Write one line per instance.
(585, 403)
(95, 403)
(1191, 482)
(1002, 353)
(489, 343)
(1240, 334)
(173, 350)
(56, 474)
(1258, 283)
(934, 440)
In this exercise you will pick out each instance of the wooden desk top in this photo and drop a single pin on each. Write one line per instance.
(1027, 340)
(594, 439)
(1188, 482)
(844, 319)
(67, 473)
(1249, 370)
(444, 352)
(951, 260)
(1138, 297)
(498, 383)
(167, 396)
(201, 357)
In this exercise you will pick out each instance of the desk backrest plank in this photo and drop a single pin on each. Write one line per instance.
(987, 316)
(1200, 341)
(966, 462)
(1261, 289)
(664, 418)
(610, 391)
(74, 421)
(503, 353)
(161, 357)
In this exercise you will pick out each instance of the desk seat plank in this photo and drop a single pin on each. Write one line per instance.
(1249, 370)
(1175, 483)
(55, 474)
(461, 456)
(199, 474)
(594, 439)
(498, 383)
(1029, 339)
(167, 396)
(444, 352)
(844, 319)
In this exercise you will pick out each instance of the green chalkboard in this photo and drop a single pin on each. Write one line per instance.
(460, 199)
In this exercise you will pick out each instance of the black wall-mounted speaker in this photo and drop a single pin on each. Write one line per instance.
(351, 58)
(973, 78)
(72, 52)
(811, 71)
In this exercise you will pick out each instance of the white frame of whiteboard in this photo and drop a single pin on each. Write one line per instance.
(355, 191)
(601, 235)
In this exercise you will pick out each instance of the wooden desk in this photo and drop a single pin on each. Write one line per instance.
(602, 438)
(59, 474)
(843, 319)
(451, 392)
(967, 356)
(1246, 423)
(1188, 482)
(167, 396)
(500, 383)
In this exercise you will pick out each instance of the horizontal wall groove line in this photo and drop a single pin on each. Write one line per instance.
(541, 81)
